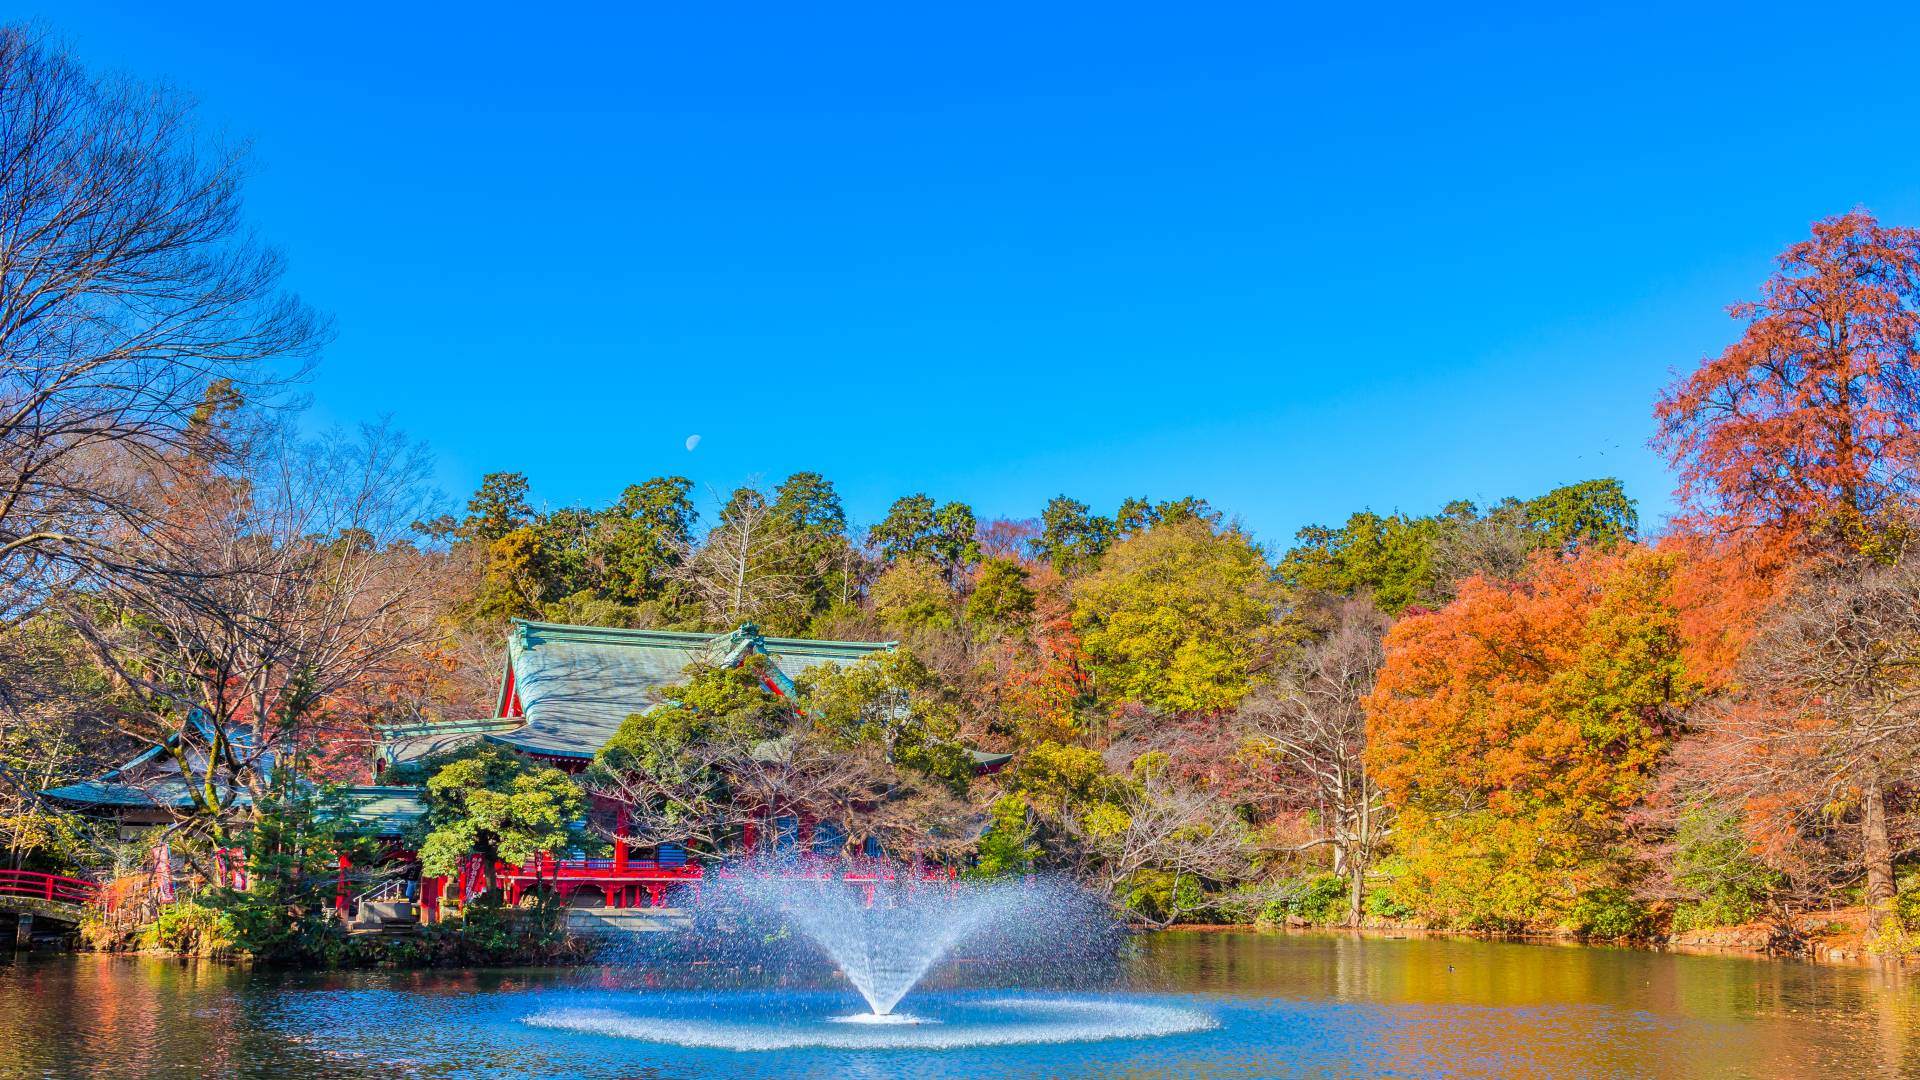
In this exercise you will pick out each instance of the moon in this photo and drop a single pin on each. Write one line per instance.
(693, 441)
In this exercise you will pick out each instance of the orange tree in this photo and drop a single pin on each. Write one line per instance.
(1513, 728)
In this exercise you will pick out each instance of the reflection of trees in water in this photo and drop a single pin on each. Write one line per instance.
(1290, 1005)
(1466, 1007)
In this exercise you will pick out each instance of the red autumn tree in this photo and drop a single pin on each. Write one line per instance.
(1807, 424)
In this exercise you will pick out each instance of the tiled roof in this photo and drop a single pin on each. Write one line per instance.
(399, 745)
(385, 811)
(168, 792)
(576, 684)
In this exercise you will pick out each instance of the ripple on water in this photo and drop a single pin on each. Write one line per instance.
(985, 1022)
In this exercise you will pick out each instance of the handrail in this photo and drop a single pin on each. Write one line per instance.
(383, 890)
(48, 886)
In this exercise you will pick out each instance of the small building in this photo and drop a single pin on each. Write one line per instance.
(148, 790)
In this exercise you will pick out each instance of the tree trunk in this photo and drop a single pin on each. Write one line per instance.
(1363, 850)
(1878, 853)
(1356, 892)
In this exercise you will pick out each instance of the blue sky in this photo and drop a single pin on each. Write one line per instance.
(1296, 260)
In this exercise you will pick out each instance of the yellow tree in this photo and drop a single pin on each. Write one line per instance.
(1180, 618)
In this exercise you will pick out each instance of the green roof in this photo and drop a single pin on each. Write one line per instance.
(385, 811)
(576, 684)
(411, 742)
(168, 792)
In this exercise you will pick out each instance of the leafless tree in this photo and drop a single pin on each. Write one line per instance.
(129, 291)
(855, 786)
(1171, 825)
(1495, 545)
(1311, 721)
(714, 785)
(1827, 722)
(270, 591)
(746, 569)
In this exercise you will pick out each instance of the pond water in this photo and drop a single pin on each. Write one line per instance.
(1182, 1005)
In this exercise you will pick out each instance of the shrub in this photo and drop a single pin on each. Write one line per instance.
(1320, 900)
(1006, 847)
(1906, 908)
(1610, 913)
(1381, 903)
(1712, 862)
(190, 928)
(1158, 896)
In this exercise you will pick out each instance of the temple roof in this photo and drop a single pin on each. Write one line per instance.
(574, 685)
(412, 742)
(384, 811)
(152, 778)
(168, 792)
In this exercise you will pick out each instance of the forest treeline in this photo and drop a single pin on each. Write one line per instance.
(1533, 715)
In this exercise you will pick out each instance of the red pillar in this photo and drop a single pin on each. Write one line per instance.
(340, 886)
(620, 841)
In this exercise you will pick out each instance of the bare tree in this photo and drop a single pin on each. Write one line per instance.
(129, 291)
(1827, 722)
(269, 592)
(746, 569)
(706, 790)
(1173, 826)
(1312, 723)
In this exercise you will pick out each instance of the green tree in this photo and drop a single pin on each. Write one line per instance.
(570, 541)
(907, 530)
(515, 579)
(1071, 537)
(1002, 599)
(498, 508)
(912, 595)
(1390, 557)
(892, 701)
(673, 766)
(821, 551)
(1595, 512)
(500, 807)
(1180, 617)
(647, 531)
(810, 503)
(916, 529)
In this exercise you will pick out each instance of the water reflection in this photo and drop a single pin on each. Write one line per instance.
(1310, 1005)
(1461, 1007)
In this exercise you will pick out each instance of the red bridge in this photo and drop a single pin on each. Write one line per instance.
(48, 895)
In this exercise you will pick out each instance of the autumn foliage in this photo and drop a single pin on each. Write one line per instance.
(1512, 728)
(1807, 424)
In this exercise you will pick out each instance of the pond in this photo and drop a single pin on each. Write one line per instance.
(1211, 1005)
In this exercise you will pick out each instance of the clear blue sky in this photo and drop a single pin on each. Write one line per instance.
(1296, 261)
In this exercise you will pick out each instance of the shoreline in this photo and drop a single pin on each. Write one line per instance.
(1753, 941)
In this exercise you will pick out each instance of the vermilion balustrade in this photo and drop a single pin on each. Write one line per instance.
(64, 890)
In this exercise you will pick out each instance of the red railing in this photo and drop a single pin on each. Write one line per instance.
(63, 890)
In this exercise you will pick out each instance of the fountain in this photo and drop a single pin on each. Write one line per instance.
(885, 937)
(886, 934)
